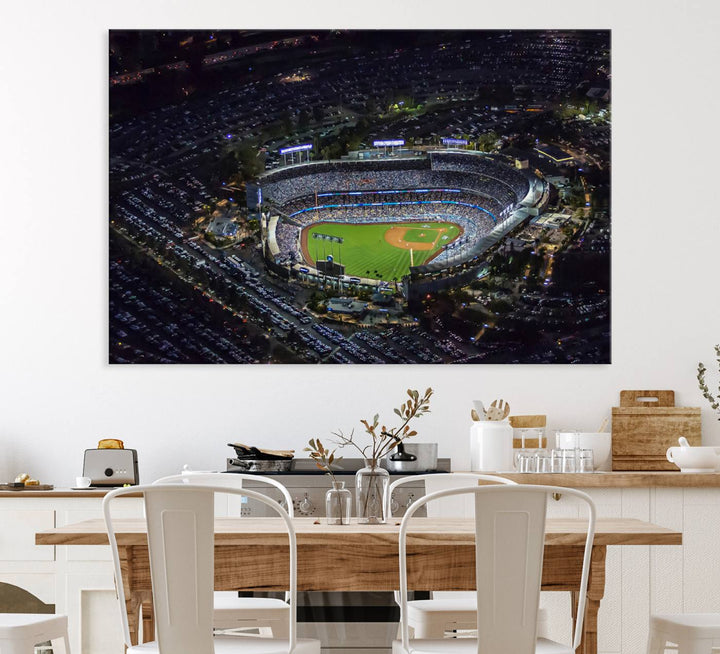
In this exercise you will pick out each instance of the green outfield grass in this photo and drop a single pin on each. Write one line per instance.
(365, 252)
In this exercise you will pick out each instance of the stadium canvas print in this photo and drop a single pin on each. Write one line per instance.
(359, 196)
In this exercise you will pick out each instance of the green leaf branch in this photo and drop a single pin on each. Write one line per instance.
(714, 400)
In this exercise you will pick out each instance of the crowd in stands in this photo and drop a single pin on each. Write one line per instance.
(287, 237)
(474, 173)
(483, 166)
(471, 190)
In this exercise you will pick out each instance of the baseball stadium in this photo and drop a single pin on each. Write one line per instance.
(379, 220)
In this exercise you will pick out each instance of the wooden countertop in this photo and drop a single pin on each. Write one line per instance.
(269, 532)
(58, 493)
(642, 479)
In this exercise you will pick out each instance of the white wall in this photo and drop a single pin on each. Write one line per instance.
(58, 395)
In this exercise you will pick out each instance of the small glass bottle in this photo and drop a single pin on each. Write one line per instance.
(338, 501)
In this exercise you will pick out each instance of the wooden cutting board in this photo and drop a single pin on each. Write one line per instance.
(6, 487)
(645, 425)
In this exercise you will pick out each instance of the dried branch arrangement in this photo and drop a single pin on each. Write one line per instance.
(384, 439)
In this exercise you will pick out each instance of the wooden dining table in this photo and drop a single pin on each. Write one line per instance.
(251, 554)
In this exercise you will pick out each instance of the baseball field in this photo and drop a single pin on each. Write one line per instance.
(377, 250)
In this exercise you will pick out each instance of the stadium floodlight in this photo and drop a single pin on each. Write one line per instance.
(389, 143)
(296, 148)
(449, 141)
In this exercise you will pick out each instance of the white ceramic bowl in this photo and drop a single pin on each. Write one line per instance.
(695, 459)
(599, 442)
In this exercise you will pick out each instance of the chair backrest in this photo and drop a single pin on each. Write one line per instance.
(442, 481)
(180, 530)
(229, 479)
(509, 545)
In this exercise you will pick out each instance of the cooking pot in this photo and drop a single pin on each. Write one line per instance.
(262, 465)
(413, 457)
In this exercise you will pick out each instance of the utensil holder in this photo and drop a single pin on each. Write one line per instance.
(491, 446)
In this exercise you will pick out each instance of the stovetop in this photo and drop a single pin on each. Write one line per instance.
(345, 467)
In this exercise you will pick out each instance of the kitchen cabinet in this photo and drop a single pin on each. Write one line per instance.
(77, 580)
(640, 579)
(644, 579)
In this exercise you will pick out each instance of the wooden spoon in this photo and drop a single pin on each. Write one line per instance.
(498, 410)
(506, 410)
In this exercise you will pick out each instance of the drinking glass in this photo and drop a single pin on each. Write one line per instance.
(526, 461)
(517, 454)
(523, 436)
(585, 461)
(539, 433)
(568, 460)
(543, 461)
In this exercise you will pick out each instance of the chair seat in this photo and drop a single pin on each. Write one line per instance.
(459, 606)
(252, 606)
(469, 646)
(687, 625)
(26, 626)
(244, 644)
(431, 618)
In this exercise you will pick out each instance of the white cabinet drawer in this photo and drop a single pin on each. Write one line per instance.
(17, 537)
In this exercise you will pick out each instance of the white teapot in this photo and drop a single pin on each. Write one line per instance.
(694, 459)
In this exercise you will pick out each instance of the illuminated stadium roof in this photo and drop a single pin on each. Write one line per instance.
(553, 152)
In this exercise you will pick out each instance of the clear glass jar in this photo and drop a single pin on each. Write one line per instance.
(338, 502)
(371, 487)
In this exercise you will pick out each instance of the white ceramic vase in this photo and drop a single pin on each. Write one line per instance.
(491, 446)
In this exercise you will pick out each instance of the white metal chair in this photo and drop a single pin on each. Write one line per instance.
(231, 611)
(509, 545)
(180, 529)
(445, 611)
(20, 632)
(693, 633)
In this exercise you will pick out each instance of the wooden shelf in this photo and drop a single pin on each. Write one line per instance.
(642, 479)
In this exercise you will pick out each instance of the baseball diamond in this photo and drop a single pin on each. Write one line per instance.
(379, 250)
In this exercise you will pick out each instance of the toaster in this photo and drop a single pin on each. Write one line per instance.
(110, 467)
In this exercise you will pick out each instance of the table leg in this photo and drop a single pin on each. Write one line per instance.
(148, 617)
(134, 568)
(596, 591)
(133, 606)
